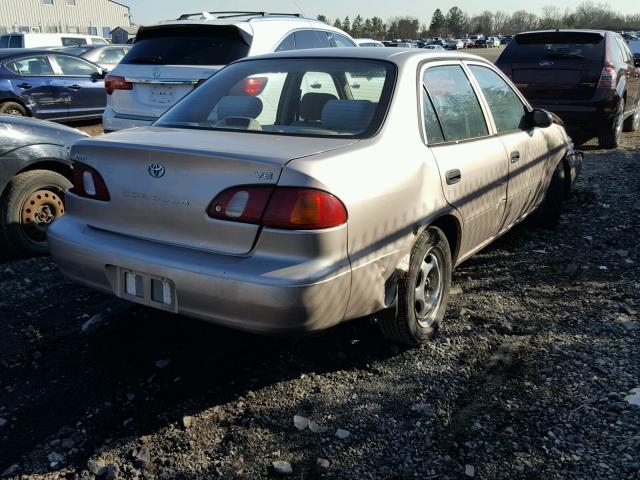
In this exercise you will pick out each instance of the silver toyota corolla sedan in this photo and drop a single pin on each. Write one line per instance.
(294, 191)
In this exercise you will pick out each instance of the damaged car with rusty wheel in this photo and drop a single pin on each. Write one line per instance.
(35, 170)
(297, 190)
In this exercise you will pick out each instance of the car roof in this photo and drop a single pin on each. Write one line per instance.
(241, 19)
(565, 30)
(12, 52)
(394, 55)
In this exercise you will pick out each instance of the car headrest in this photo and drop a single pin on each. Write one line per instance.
(239, 106)
(350, 115)
(311, 105)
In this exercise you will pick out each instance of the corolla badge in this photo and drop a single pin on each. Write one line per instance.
(156, 170)
(546, 63)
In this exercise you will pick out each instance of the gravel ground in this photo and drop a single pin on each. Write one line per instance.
(526, 379)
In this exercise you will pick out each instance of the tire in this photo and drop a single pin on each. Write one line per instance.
(412, 322)
(31, 201)
(632, 124)
(548, 213)
(611, 137)
(13, 108)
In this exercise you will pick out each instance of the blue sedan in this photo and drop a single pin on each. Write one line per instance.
(50, 85)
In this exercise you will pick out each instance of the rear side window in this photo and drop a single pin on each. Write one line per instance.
(535, 47)
(311, 39)
(288, 43)
(455, 103)
(431, 122)
(506, 107)
(188, 45)
(30, 66)
(111, 55)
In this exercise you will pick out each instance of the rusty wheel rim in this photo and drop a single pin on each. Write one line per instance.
(39, 211)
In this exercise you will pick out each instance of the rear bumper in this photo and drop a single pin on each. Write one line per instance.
(112, 121)
(261, 293)
(593, 116)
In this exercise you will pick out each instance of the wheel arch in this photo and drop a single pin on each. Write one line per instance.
(452, 229)
(18, 101)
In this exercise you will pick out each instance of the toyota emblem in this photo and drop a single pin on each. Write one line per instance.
(156, 72)
(156, 170)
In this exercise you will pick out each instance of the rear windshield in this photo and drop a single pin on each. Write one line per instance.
(188, 45)
(535, 47)
(304, 97)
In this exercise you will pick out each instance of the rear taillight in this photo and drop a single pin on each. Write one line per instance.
(241, 204)
(114, 82)
(284, 207)
(608, 78)
(88, 183)
(250, 86)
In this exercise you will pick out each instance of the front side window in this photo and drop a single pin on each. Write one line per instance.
(30, 66)
(455, 103)
(338, 40)
(47, 2)
(4, 41)
(303, 97)
(74, 67)
(506, 107)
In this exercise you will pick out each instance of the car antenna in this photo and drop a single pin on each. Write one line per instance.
(298, 7)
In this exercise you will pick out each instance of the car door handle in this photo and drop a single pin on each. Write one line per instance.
(75, 86)
(453, 176)
(25, 85)
(515, 157)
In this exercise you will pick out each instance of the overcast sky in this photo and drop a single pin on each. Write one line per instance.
(149, 11)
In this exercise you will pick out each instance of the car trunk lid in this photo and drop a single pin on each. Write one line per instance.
(197, 166)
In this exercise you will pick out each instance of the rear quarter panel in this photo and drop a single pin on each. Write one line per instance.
(390, 186)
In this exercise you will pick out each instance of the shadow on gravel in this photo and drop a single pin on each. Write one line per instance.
(92, 375)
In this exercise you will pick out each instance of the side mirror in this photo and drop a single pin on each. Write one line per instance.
(99, 75)
(540, 118)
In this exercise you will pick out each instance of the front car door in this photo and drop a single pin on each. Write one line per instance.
(528, 149)
(37, 86)
(84, 84)
(472, 163)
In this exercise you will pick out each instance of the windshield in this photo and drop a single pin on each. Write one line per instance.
(187, 45)
(534, 47)
(307, 97)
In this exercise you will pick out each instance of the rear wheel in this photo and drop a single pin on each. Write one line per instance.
(13, 108)
(31, 201)
(611, 137)
(632, 124)
(423, 291)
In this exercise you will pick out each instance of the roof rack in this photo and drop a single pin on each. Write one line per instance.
(231, 14)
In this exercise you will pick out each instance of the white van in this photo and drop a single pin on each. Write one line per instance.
(38, 40)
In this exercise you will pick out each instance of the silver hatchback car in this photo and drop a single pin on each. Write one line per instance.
(294, 191)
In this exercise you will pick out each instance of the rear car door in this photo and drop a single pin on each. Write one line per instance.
(84, 85)
(472, 162)
(37, 86)
(526, 148)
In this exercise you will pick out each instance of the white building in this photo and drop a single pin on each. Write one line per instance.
(94, 17)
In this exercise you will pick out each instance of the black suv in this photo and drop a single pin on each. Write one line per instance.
(589, 78)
